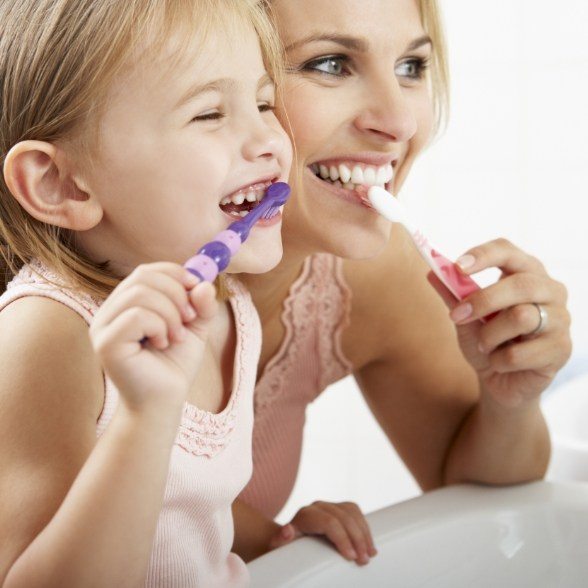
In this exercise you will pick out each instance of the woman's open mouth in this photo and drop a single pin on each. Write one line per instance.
(351, 175)
(354, 178)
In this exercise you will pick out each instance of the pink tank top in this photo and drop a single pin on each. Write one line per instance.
(211, 458)
(315, 314)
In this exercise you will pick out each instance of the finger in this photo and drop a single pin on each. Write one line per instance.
(316, 521)
(349, 517)
(173, 282)
(499, 253)
(520, 320)
(203, 300)
(121, 337)
(173, 270)
(285, 535)
(361, 520)
(544, 356)
(514, 290)
(143, 296)
(441, 289)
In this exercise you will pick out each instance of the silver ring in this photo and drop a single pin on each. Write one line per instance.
(542, 320)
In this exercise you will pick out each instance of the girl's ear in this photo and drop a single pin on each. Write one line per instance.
(39, 181)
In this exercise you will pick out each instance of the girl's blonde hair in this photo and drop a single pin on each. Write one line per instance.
(58, 59)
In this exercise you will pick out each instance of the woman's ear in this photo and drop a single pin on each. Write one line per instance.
(36, 175)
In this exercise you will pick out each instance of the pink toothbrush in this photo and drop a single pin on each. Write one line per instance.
(459, 284)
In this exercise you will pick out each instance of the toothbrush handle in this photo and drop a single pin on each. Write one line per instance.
(458, 283)
(216, 255)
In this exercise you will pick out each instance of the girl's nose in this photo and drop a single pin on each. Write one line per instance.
(265, 139)
(387, 113)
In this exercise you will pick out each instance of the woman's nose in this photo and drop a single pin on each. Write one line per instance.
(387, 113)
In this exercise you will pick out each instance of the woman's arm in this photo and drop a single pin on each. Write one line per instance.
(435, 406)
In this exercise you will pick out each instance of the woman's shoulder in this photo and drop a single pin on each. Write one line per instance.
(391, 296)
(47, 356)
(388, 276)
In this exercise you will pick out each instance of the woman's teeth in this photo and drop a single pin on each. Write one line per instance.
(352, 176)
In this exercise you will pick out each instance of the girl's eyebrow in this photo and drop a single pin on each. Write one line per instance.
(352, 43)
(221, 85)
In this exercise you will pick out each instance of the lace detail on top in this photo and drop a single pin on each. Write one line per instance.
(206, 433)
(316, 312)
(200, 432)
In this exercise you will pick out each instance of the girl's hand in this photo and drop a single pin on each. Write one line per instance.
(342, 524)
(514, 365)
(164, 305)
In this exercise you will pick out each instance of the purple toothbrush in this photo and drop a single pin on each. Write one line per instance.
(215, 256)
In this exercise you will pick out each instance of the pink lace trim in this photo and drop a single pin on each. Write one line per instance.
(200, 432)
(317, 306)
(204, 433)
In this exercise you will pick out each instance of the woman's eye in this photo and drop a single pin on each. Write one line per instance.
(413, 68)
(216, 115)
(333, 65)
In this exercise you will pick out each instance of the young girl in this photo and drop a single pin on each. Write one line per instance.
(131, 133)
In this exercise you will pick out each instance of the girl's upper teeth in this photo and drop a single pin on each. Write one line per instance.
(251, 194)
(363, 175)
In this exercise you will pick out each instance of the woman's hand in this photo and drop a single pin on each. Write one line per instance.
(514, 362)
(342, 524)
(151, 332)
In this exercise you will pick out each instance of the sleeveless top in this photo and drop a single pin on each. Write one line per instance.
(210, 460)
(315, 314)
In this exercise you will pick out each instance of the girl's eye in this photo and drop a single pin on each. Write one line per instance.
(332, 65)
(266, 107)
(413, 68)
(216, 115)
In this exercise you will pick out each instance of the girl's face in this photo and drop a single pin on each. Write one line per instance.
(359, 107)
(183, 150)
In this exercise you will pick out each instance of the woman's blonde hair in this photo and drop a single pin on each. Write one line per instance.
(58, 59)
(432, 23)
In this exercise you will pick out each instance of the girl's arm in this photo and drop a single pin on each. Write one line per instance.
(98, 530)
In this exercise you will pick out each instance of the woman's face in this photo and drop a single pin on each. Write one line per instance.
(358, 104)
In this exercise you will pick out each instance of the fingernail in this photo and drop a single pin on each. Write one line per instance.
(351, 554)
(189, 312)
(466, 261)
(287, 532)
(461, 312)
(190, 279)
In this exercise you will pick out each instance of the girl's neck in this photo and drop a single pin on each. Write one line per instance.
(270, 289)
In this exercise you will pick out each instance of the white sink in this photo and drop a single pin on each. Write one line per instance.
(533, 535)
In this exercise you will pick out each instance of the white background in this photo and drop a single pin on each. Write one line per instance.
(514, 163)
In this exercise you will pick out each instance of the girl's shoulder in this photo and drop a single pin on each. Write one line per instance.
(47, 357)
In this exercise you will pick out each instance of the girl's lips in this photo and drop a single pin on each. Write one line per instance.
(261, 223)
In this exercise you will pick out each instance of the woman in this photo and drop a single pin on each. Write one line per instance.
(458, 398)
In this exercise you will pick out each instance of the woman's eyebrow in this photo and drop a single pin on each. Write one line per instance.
(352, 43)
(424, 40)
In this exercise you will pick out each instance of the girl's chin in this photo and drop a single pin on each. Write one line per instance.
(256, 262)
